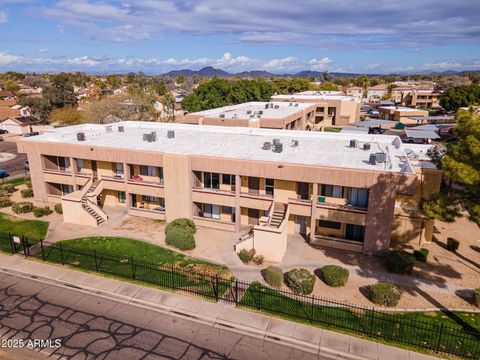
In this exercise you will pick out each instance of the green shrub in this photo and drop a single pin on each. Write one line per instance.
(452, 244)
(22, 207)
(334, 275)
(182, 223)
(258, 260)
(41, 211)
(400, 262)
(9, 188)
(58, 208)
(300, 281)
(273, 275)
(26, 193)
(246, 255)
(5, 202)
(476, 297)
(421, 255)
(385, 294)
(180, 238)
(28, 182)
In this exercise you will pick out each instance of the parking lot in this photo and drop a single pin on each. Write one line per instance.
(11, 164)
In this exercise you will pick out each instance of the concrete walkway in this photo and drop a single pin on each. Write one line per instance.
(307, 338)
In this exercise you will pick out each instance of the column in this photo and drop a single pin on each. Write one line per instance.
(238, 215)
(313, 212)
(126, 172)
(73, 170)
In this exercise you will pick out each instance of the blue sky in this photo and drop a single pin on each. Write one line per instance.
(367, 36)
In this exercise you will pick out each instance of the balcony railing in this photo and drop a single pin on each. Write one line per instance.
(113, 178)
(56, 171)
(144, 182)
(213, 191)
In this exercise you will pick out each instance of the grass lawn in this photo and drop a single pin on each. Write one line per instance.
(16, 181)
(417, 330)
(152, 264)
(32, 229)
(329, 129)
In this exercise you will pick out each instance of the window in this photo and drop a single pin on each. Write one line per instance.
(320, 109)
(211, 211)
(66, 189)
(229, 210)
(354, 232)
(211, 180)
(318, 119)
(269, 186)
(332, 191)
(121, 197)
(63, 163)
(329, 224)
(331, 111)
(148, 170)
(118, 169)
(160, 170)
(358, 197)
(80, 165)
(228, 179)
(151, 199)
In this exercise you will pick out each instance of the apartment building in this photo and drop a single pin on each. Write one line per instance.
(401, 113)
(348, 191)
(356, 92)
(331, 109)
(376, 93)
(271, 115)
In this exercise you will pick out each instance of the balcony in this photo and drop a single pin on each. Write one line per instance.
(337, 243)
(256, 201)
(213, 196)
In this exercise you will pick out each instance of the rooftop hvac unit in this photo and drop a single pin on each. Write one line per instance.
(121, 129)
(81, 136)
(222, 116)
(149, 137)
(271, 106)
(372, 160)
(353, 143)
(278, 147)
(366, 146)
(252, 116)
(266, 106)
(296, 105)
(249, 112)
(108, 128)
(275, 141)
(294, 143)
(291, 104)
(260, 112)
(170, 134)
(267, 145)
(381, 157)
(277, 106)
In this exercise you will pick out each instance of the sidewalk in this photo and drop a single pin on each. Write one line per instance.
(307, 338)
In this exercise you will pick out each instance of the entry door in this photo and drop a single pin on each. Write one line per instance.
(94, 169)
(253, 185)
(303, 190)
(253, 216)
(301, 224)
(134, 200)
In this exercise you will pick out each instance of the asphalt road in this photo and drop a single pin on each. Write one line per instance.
(15, 166)
(91, 327)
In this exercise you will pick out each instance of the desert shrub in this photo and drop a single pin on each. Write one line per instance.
(246, 255)
(9, 188)
(182, 223)
(5, 201)
(180, 238)
(58, 208)
(22, 207)
(334, 275)
(41, 211)
(385, 294)
(476, 297)
(26, 193)
(258, 260)
(273, 275)
(300, 281)
(421, 255)
(452, 244)
(400, 262)
(28, 182)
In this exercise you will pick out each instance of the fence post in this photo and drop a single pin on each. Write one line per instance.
(236, 292)
(25, 245)
(173, 277)
(61, 253)
(440, 338)
(95, 259)
(372, 319)
(313, 306)
(133, 268)
(43, 250)
(12, 244)
(216, 288)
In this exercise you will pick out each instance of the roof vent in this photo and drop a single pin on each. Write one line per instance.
(296, 105)
(372, 160)
(267, 145)
(151, 137)
(366, 146)
(170, 134)
(222, 116)
(353, 143)
(108, 128)
(266, 106)
(278, 147)
(277, 106)
(81, 136)
(260, 112)
(275, 141)
(121, 129)
(381, 157)
(249, 112)
(294, 143)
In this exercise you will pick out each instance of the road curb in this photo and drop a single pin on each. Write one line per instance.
(306, 346)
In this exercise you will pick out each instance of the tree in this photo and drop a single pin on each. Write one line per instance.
(159, 88)
(460, 96)
(35, 81)
(168, 103)
(40, 108)
(460, 165)
(60, 93)
(114, 81)
(110, 107)
(328, 86)
(209, 95)
(10, 85)
(180, 80)
(66, 116)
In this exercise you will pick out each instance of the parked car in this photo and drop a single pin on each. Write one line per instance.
(3, 131)
(3, 174)
(34, 133)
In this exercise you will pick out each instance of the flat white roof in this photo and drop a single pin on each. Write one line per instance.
(314, 148)
(399, 108)
(255, 110)
(314, 96)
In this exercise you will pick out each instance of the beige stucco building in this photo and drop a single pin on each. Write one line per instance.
(271, 115)
(261, 184)
(330, 109)
(400, 113)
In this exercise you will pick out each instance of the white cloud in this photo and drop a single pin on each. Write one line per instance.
(285, 63)
(443, 65)
(319, 64)
(6, 59)
(43, 50)
(83, 61)
(373, 66)
(3, 17)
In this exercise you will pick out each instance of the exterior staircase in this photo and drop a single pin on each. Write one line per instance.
(86, 204)
(278, 215)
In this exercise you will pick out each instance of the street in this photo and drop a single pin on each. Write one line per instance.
(91, 327)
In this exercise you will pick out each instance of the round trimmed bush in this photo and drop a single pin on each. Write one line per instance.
(400, 262)
(246, 255)
(58, 208)
(182, 223)
(26, 193)
(22, 207)
(41, 211)
(9, 188)
(476, 297)
(273, 275)
(421, 255)
(452, 244)
(385, 294)
(258, 259)
(5, 201)
(300, 281)
(334, 275)
(180, 238)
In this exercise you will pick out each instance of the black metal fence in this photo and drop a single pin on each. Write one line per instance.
(462, 340)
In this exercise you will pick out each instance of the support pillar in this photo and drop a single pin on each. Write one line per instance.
(313, 211)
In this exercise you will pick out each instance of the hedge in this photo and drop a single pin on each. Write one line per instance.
(246, 255)
(58, 208)
(5, 201)
(300, 281)
(421, 255)
(273, 275)
(26, 193)
(400, 262)
(452, 244)
(9, 188)
(22, 207)
(41, 211)
(334, 275)
(182, 223)
(385, 294)
(180, 238)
